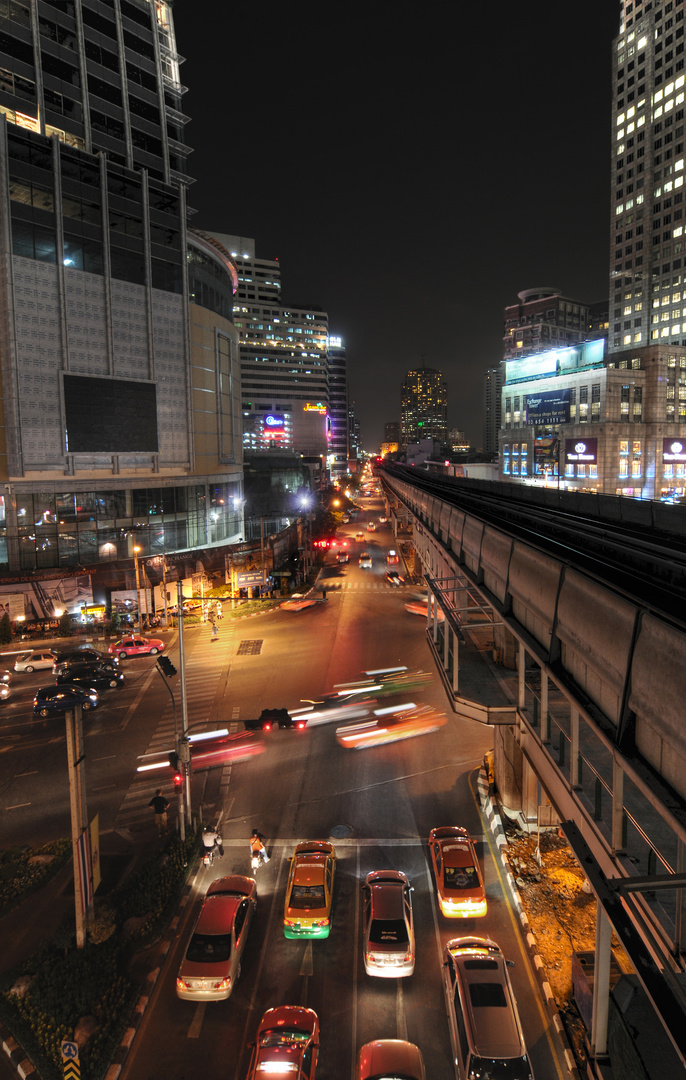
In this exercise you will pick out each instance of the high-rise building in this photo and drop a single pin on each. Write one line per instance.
(120, 383)
(647, 267)
(284, 359)
(423, 407)
(493, 385)
(543, 319)
(338, 409)
(391, 432)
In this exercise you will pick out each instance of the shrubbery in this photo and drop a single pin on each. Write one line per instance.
(67, 983)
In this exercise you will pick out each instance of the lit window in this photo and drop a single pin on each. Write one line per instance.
(620, 119)
(620, 133)
(635, 469)
(627, 339)
(637, 336)
(639, 199)
(641, 121)
(623, 468)
(621, 148)
(642, 42)
(627, 309)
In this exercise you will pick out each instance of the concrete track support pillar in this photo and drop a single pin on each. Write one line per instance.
(601, 982)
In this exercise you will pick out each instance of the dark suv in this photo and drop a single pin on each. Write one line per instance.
(83, 656)
(97, 676)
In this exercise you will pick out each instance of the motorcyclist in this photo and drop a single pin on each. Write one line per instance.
(212, 841)
(257, 849)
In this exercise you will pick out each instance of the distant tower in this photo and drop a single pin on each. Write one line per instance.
(493, 384)
(423, 407)
(338, 408)
(391, 432)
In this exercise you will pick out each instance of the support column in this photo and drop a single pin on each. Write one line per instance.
(601, 982)
(545, 718)
(574, 749)
(456, 661)
(617, 808)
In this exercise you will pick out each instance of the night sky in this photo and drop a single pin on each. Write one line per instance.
(412, 167)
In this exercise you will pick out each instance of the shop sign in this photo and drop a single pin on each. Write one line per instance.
(674, 451)
(581, 451)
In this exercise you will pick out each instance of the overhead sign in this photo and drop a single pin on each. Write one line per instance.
(530, 367)
(548, 407)
(674, 451)
(581, 451)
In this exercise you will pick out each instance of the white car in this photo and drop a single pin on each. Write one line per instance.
(365, 561)
(388, 925)
(35, 660)
(212, 962)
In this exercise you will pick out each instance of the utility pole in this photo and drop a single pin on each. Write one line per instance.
(184, 703)
(138, 588)
(77, 805)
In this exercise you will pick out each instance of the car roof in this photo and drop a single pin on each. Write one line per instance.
(457, 851)
(217, 913)
(390, 1057)
(387, 899)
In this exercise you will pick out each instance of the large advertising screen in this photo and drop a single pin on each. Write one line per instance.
(548, 407)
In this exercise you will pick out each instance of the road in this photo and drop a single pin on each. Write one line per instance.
(381, 803)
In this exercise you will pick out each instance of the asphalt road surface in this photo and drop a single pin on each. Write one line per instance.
(376, 805)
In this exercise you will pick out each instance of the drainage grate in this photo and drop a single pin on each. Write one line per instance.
(250, 648)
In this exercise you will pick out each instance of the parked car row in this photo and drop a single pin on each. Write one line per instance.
(81, 673)
(483, 1020)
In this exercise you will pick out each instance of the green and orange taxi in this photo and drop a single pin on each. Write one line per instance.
(309, 891)
(459, 882)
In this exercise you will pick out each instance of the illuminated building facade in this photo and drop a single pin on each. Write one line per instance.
(120, 402)
(423, 407)
(284, 350)
(338, 409)
(543, 319)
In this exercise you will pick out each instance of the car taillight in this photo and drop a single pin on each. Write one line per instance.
(301, 725)
(320, 922)
(407, 957)
(267, 727)
(182, 984)
(223, 985)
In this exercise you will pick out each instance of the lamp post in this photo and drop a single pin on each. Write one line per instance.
(138, 586)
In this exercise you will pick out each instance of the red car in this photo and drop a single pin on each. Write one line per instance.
(287, 1044)
(136, 646)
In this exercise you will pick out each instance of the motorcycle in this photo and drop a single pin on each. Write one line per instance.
(210, 853)
(258, 858)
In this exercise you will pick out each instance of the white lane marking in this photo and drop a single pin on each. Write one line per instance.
(263, 956)
(34, 772)
(17, 806)
(196, 1022)
(400, 1019)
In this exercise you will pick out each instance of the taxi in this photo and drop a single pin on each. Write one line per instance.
(309, 891)
(136, 646)
(459, 883)
(390, 725)
(287, 1044)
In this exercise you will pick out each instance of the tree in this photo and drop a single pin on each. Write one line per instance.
(5, 630)
(65, 627)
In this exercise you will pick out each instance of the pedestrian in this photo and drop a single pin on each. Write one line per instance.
(160, 805)
(215, 632)
(220, 609)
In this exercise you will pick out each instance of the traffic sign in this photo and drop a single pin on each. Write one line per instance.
(70, 1051)
(71, 1066)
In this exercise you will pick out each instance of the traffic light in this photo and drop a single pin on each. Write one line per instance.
(174, 761)
(165, 665)
(178, 783)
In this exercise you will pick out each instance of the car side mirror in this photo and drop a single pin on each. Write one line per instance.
(510, 963)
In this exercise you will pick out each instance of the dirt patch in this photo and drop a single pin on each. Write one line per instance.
(561, 913)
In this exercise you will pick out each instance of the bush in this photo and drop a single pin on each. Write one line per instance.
(5, 629)
(68, 983)
(19, 876)
(65, 628)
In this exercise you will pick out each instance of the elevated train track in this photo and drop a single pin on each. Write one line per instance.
(644, 560)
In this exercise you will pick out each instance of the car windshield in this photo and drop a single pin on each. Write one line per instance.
(283, 1036)
(388, 932)
(307, 896)
(460, 877)
(500, 1068)
(209, 948)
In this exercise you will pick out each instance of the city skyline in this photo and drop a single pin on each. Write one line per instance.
(409, 201)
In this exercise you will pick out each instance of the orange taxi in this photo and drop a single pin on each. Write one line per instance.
(459, 883)
(390, 725)
(309, 891)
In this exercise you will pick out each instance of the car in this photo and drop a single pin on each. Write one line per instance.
(342, 557)
(287, 1044)
(393, 577)
(388, 930)
(365, 561)
(421, 607)
(371, 527)
(83, 656)
(136, 646)
(392, 558)
(6, 677)
(35, 660)
(59, 699)
(212, 962)
(485, 1029)
(346, 519)
(309, 891)
(388, 1058)
(360, 537)
(383, 521)
(275, 718)
(389, 726)
(299, 603)
(99, 677)
(459, 882)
